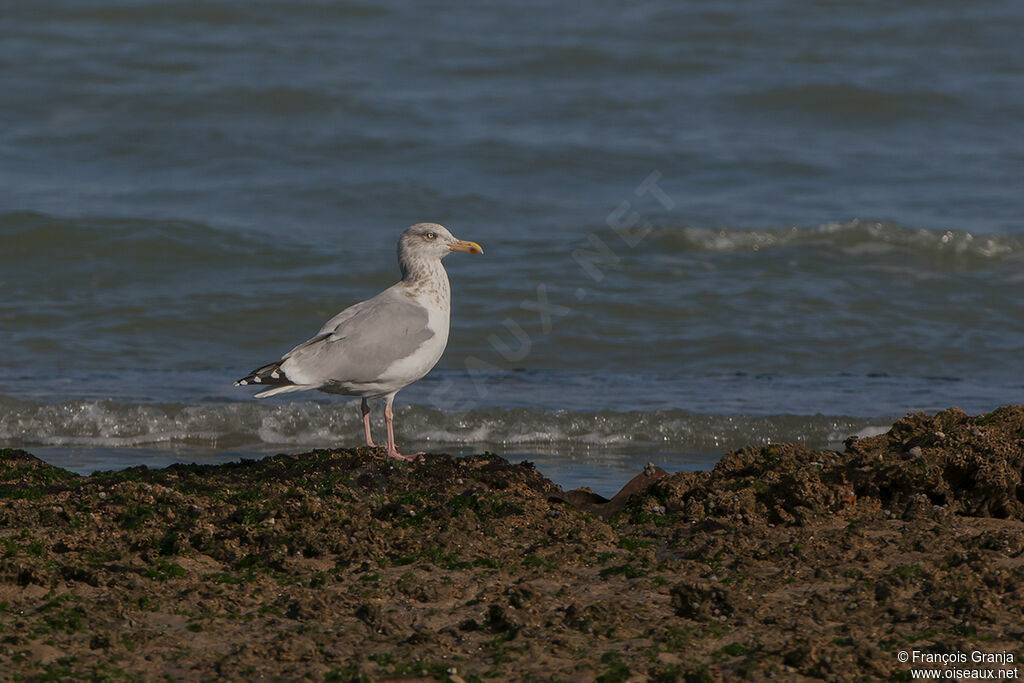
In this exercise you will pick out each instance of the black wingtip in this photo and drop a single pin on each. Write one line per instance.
(268, 375)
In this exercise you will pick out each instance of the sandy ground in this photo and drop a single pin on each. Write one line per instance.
(780, 563)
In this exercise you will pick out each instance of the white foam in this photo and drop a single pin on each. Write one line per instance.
(855, 238)
(865, 432)
(112, 424)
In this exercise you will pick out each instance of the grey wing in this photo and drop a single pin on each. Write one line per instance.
(361, 342)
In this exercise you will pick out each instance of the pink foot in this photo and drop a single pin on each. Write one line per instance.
(389, 418)
(407, 458)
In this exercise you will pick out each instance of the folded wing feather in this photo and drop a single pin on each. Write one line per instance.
(360, 343)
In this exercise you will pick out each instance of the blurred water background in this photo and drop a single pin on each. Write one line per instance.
(706, 224)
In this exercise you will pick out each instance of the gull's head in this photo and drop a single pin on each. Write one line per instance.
(431, 241)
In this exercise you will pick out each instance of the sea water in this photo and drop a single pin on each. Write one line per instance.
(706, 224)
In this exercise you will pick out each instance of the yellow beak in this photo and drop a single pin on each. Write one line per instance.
(466, 245)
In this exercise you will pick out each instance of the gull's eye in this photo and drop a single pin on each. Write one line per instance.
(431, 235)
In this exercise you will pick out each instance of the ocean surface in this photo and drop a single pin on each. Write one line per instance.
(706, 224)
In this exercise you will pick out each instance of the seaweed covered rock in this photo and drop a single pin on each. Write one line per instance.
(973, 465)
(778, 484)
(782, 562)
(924, 466)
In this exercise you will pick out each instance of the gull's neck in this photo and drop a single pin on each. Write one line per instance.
(425, 277)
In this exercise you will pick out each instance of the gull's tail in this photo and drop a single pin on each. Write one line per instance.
(273, 376)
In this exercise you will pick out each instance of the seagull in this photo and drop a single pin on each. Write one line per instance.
(377, 347)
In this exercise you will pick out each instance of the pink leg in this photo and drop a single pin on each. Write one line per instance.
(366, 425)
(389, 419)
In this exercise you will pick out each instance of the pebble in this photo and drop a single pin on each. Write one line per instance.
(916, 451)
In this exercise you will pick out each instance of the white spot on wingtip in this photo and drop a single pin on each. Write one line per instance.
(257, 380)
(275, 374)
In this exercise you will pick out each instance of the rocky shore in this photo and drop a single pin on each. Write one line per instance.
(782, 562)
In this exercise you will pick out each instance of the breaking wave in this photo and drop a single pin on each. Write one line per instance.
(855, 237)
(113, 424)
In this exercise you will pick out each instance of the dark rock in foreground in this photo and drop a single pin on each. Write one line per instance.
(922, 467)
(780, 562)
